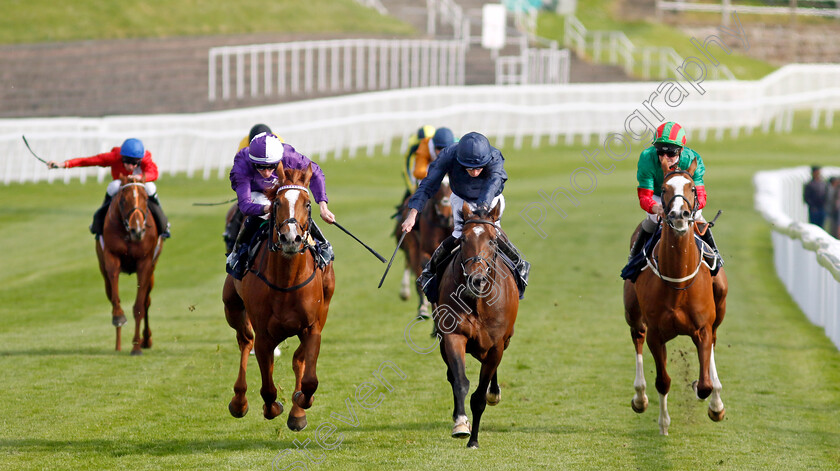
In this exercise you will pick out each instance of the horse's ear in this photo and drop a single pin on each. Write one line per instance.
(466, 211)
(280, 170)
(123, 179)
(307, 175)
(494, 213)
(692, 168)
(288, 175)
(665, 168)
(271, 192)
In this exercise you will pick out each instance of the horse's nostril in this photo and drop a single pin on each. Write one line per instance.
(686, 214)
(297, 239)
(283, 238)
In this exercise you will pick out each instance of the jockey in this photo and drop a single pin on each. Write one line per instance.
(129, 159)
(232, 228)
(429, 150)
(477, 176)
(668, 149)
(421, 137)
(253, 172)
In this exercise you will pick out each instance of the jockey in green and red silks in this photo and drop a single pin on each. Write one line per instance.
(668, 151)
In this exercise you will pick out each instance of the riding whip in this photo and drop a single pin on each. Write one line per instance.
(392, 259)
(215, 204)
(32, 151)
(380, 257)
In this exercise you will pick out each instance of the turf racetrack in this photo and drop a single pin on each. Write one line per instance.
(68, 401)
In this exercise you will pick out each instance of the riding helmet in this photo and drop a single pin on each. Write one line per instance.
(257, 129)
(132, 148)
(473, 150)
(670, 133)
(265, 148)
(443, 138)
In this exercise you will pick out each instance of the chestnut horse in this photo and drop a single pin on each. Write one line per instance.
(676, 295)
(130, 244)
(284, 294)
(475, 314)
(434, 224)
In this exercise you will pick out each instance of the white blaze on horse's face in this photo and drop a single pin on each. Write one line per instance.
(478, 230)
(290, 239)
(677, 214)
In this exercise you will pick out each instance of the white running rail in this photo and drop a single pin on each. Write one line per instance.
(807, 259)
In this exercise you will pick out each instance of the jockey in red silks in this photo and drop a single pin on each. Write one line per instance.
(254, 171)
(130, 158)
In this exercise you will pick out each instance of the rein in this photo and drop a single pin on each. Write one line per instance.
(273, 247)
(134, 209)
(479, 258)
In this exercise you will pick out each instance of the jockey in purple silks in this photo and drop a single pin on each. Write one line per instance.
(253, 172)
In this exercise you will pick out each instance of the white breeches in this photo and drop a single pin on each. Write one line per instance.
(114, 187)
(457, 204)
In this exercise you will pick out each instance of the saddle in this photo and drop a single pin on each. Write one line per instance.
(634, 267)
(431, 288)
(321, 252)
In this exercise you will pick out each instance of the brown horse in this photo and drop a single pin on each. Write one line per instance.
(676, 295)
(130, 244)
(434, 224)
(475, 314)
(284, 294)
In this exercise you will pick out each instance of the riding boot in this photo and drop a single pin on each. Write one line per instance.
(160, 219)
(232, 230)
(521, 266)
(98, 225)
(640, 242)
(430, 270)
(708, 238)
(238, 258)
(323, 246)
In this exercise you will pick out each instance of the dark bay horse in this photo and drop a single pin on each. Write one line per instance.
(130, 244)
(676, 295)
(434, 224)
(285, 294)
(475, 314)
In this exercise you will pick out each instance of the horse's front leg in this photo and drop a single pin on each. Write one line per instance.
(633, 316)
(238, 320)
(478, 399)
(716, 409)
(494, 392)
(142, 302)
(264, 349)
(453, 349)
(663, 381)
(310, 342)
(110, 268)
(405, 285)
(297, 416)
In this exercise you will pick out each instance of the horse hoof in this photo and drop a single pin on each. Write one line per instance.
(717, 416)
(298, 399)
(136, 353)
(461, 430)
(493, 399)
(147, 343)
(237, 413)
(275, 410)
(296, 424)
(119, 321)
(404, 295)
(638, 410)
(473, 444)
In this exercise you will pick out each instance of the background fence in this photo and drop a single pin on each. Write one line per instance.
(807, 259)
(204, 144)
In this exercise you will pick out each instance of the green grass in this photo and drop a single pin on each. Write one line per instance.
(34, 21)
(603, 15)
(69, 402)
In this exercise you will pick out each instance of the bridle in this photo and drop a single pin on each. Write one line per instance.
(478, 258)
(273, 246)
(693, 277)
(694, 208)
(126, 217)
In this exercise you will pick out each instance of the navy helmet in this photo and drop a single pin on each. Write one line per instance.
(473, 150)
(132, 149)
(443, 138)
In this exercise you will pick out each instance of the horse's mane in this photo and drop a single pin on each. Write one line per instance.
(289, 177)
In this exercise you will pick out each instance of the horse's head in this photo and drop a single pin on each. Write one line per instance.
(132, 202)
(679, 201)
(478, 248)
(290, 210)
(442, 210)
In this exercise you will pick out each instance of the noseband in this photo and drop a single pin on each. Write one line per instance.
(694, 208)
(274, 247)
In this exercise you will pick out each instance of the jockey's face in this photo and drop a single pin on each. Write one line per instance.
(669, 155)
(130, 164)
(265, 171)
(474, 172)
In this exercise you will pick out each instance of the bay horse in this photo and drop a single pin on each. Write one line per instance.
(435, 223)
(130, 244)
(676, 295)
(285, 294)
(475, 314)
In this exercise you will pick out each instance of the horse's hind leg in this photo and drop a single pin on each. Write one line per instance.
(141, 303)
(716, 408)
(109, 265)
(453, 349)
(663, 381)
(405, 285)
(633, 316)
(494, 392)
(478, 399)
(238, 320)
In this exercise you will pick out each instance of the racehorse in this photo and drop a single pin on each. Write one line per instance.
(475, 314)
(676, 295)
(130, 244)
(284, 294)
(434, 224)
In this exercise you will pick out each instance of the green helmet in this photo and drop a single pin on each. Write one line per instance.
(670, 133)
